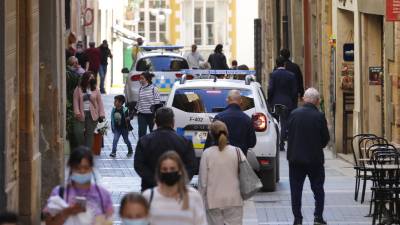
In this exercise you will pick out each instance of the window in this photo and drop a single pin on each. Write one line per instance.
(208, 100)
(204, 23)
(151, 26)
(162, 63)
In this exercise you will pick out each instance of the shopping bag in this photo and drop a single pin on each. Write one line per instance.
(249, 182)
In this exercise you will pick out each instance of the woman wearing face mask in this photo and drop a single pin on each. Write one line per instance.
(88, 109)
(148, 96)
(219, 179)
(80, 193)
(134, 210)
(172, 201)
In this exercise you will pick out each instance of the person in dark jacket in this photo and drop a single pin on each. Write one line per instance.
(282, 89)
(105, 53)
(240, 127)
(217, 60)
(295, 69)
(151, 146)
(307, 136)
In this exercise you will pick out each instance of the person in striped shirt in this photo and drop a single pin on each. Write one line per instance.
(148, 96)
(173, 201)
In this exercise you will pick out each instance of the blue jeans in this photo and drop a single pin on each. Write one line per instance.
(145, 120)
(117, 135)
(102, 73)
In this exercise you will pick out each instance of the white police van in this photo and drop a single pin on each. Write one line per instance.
(196, 102)
(164, 62)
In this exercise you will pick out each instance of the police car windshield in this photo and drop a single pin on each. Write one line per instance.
(161, 63)
(208, 100)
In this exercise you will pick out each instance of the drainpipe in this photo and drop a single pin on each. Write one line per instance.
(2, 113)
(285, 24)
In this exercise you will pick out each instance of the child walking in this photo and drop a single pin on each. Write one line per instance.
(120, 125)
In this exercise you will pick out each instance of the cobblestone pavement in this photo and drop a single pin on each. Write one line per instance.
(119, 177)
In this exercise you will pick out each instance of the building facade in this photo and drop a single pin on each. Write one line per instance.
(31, 125)
(347, 50)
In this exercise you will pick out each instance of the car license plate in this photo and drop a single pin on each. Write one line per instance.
(198, 138)
(163, 98)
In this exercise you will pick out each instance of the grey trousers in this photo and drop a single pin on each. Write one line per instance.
(84, 130)
(229, 216)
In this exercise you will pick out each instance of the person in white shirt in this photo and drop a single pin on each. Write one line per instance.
(172, 201)
(194, 58)
(219, 179)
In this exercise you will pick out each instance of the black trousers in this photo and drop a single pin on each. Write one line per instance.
(145, 120)
(297, 176)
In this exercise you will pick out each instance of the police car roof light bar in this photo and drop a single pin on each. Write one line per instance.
(218, 72)
(165, 47)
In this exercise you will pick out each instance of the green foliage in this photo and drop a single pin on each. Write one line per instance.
(72, 82)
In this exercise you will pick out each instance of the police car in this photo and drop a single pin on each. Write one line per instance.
(164, 62)
(195, 103)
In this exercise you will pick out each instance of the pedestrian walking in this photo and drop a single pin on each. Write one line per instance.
(173, 201)
(120, 125)
(136, 51)
(134, 210)
(88, 109)
(150, 147)
(8, 218)
(307, 136)
(295, 69)
(93, 56)
(148, 96)
(240, 127)
(282, 89)
(105, 53)
(80, 54)
(194, 58)
(82, 193)
(219, 179)
(217, 59)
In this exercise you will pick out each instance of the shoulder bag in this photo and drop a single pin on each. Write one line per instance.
(249, 182)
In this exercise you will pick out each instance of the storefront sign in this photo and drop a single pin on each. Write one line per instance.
(375, 75)
(393, 10)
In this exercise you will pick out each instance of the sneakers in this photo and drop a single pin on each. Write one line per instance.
(319, 221)
(129, 154)
(113, 154)
(298, 221)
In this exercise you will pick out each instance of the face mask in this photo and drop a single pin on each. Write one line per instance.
(92, 82)
(81, 178)
(143, 83)
(135, 222)
(170, 178)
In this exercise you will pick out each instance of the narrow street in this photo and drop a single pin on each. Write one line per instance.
(119, 177)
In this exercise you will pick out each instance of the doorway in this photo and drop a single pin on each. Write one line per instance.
(372, 73)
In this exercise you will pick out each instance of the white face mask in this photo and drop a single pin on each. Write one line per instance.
(135, 222)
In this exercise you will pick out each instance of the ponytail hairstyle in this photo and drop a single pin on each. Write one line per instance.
(219, 133)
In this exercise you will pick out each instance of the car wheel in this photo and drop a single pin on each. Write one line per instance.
(268, 178)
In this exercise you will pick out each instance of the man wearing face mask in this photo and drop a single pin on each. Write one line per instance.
(150, 147)
(82, 58)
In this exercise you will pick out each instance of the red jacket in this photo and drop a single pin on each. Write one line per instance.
(93, 55)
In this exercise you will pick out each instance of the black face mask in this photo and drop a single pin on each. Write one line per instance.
(170, 178)
(92, 82)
